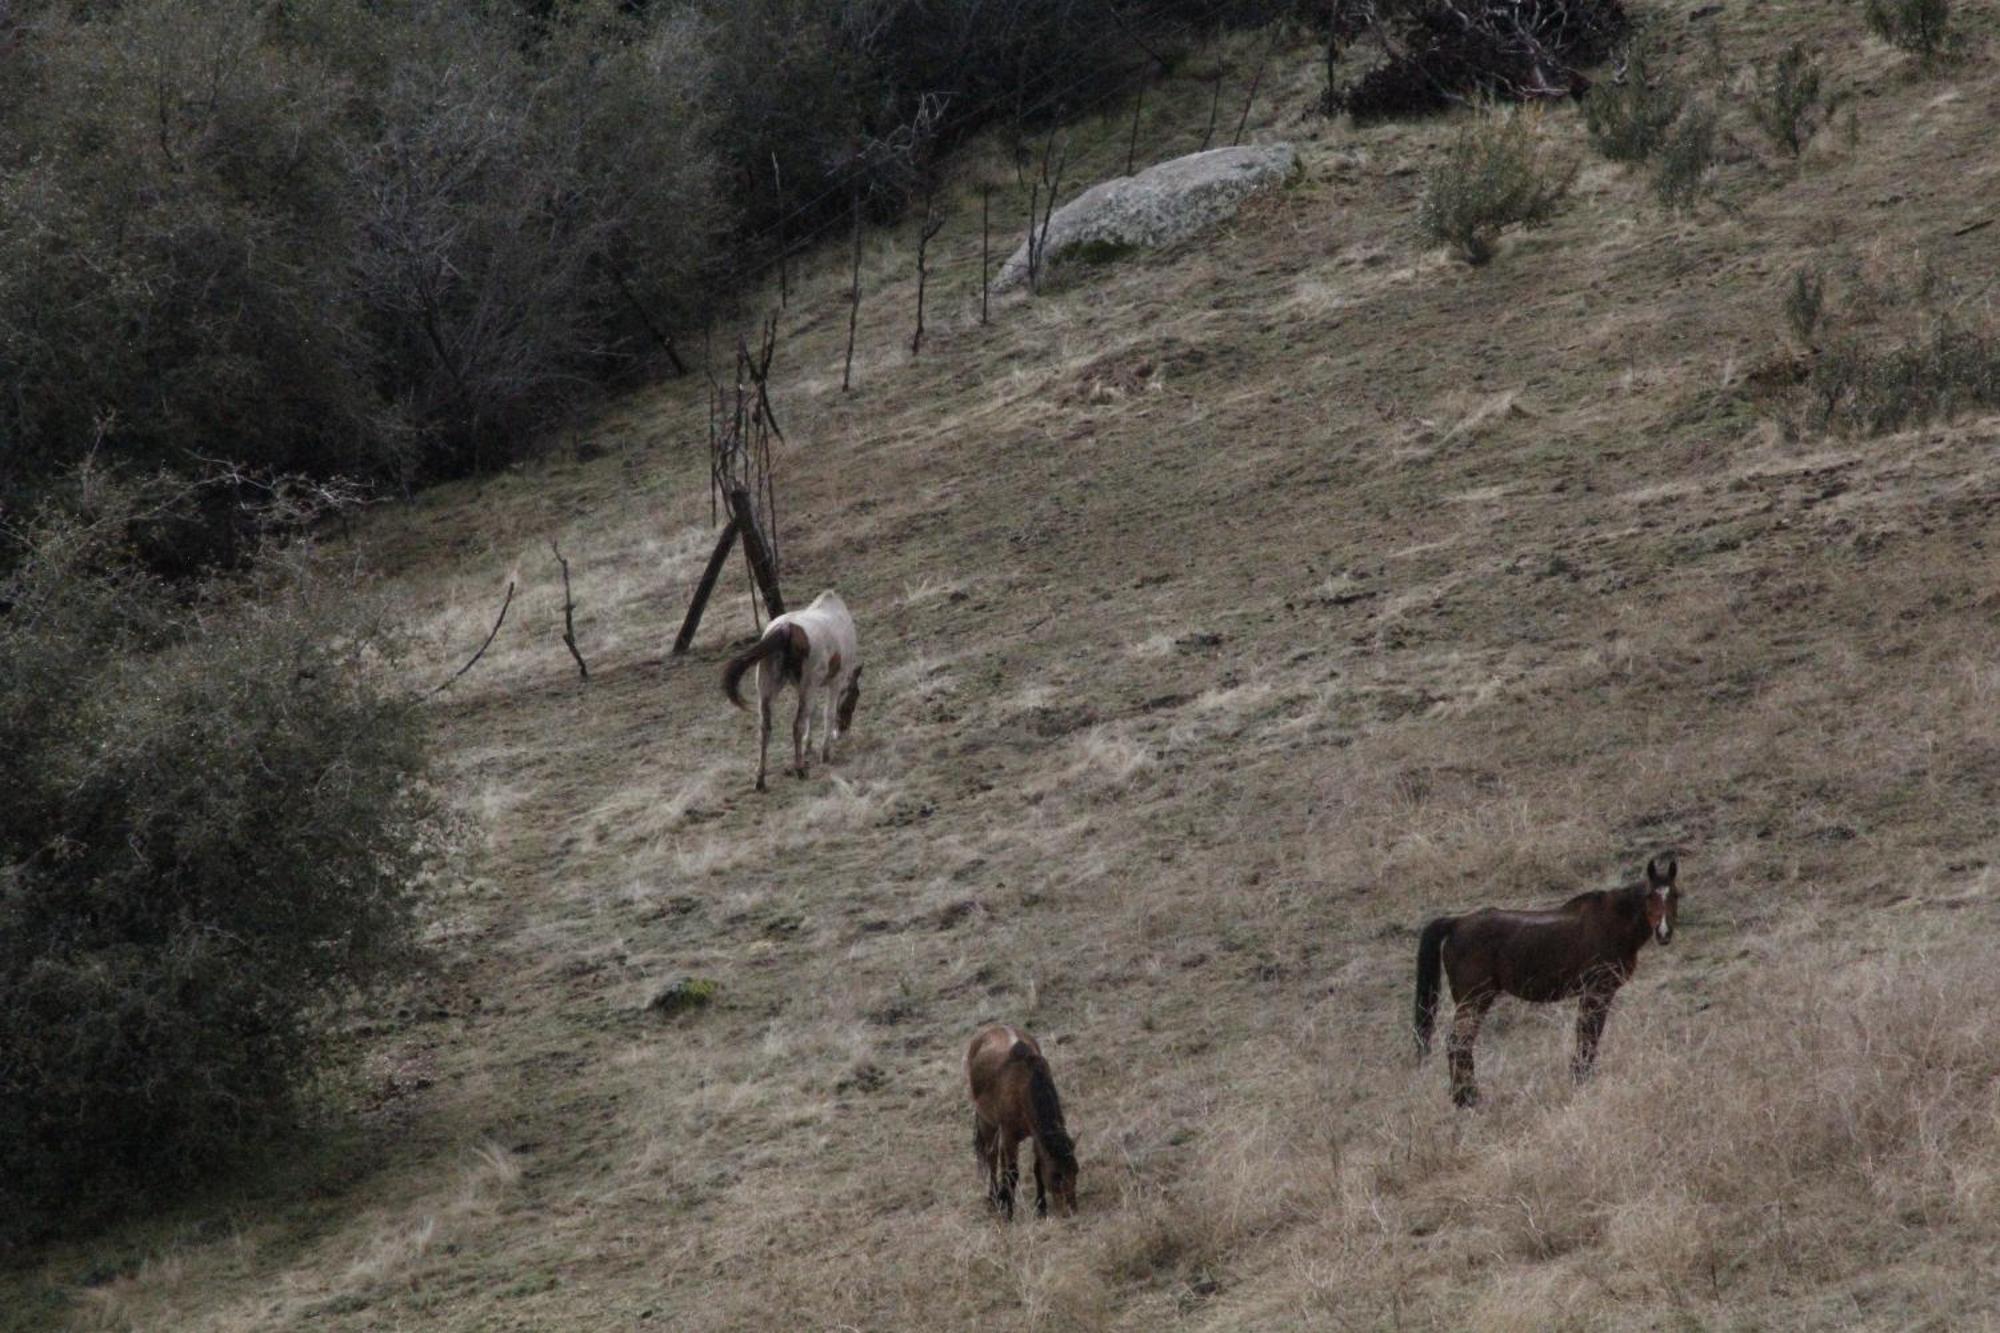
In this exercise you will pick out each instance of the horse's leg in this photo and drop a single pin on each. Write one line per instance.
(1041, 1187)
(986, 1142)
(826, 725)
(763, 737)
(802, 729)
(1010, 1172)
(1465, 1021)
(1592, 1009)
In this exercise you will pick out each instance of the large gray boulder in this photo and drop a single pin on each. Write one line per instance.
(1160, 205)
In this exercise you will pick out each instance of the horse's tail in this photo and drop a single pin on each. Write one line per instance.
(1047, 1107)
(786, 639)
(1430, 964)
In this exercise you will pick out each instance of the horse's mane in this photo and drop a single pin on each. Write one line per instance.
(1634, 889)
(1048, 1112)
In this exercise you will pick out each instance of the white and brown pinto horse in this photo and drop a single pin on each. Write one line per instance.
(816, 650)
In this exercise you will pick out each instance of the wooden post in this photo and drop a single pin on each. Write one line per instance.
(716, 560)
(753, 546)
(853, 304)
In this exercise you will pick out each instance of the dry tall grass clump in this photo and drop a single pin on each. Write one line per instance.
(1856, 1103)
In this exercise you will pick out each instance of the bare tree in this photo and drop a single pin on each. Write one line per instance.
(1047, 186)
(742, 481)
(985, 247)
(569, 614)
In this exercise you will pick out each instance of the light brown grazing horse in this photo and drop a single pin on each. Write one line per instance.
(1014, 1098)
(1586, 949)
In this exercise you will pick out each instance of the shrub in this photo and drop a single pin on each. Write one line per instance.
(391, 241)
(1786, 104)
(211, 825)
(1945, 370)
(1921, 27)
(1929, 361)
(1497, 174)
(1628, 120)
(1805, 302)
(1685, 172)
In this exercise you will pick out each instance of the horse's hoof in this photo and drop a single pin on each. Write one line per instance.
(1465, 1099)
(761, 786)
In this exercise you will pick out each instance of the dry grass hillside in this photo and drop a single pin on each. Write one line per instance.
(1226, 614)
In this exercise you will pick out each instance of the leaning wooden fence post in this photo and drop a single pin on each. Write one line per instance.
(753, 546)
(699, 604)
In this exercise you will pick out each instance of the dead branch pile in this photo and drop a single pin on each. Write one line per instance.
(1445, 53)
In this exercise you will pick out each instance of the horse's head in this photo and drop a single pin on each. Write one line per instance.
(1663, 897)
(849, 697)
(1062, 1184)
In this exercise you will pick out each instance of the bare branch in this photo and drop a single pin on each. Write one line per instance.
(499, 620)
(569, 608)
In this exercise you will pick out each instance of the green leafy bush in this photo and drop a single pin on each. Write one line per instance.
(1498, 173)
(212, 825)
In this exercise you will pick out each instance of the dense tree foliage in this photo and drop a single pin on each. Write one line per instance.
(212, 826)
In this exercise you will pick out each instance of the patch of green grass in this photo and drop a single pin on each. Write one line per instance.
(533, 1284)
(682, 996)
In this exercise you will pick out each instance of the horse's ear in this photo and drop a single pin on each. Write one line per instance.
(1660, 871)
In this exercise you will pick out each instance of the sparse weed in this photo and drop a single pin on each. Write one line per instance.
(1628, 119)
(1942, 372)
(1687, 159)
(1497, 174)
(1787, 104)
(1805, 302)
(1945, 362)
(1921, 27)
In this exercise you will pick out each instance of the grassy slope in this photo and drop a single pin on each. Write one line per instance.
(1226, 616)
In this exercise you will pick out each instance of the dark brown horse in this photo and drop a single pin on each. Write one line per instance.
(1586, 949)
(1014, 1098)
